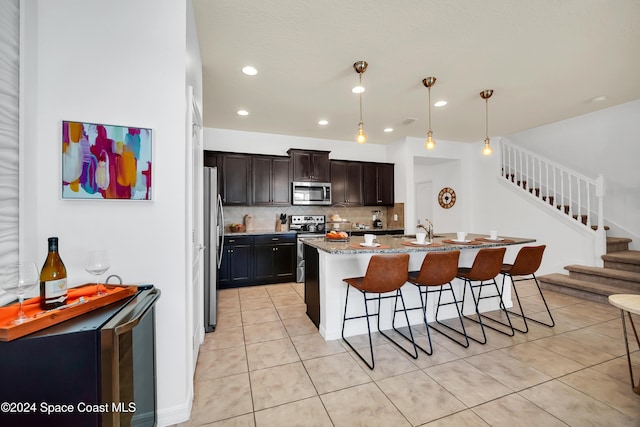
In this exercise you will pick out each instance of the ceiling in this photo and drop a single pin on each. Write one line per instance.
(546, 61)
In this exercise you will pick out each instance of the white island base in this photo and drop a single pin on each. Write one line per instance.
(325, 289)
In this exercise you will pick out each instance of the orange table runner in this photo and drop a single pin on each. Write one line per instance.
(488, 240)
(359, 246)
(453, 242)
(418, 245)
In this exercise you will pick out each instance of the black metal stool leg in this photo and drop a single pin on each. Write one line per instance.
(411, 339)
(415, 351)
(521, 314)
(366, 316)
(454, 302)
(475, 303)
(502, 307)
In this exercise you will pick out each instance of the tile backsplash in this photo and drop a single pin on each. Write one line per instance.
(265, 218)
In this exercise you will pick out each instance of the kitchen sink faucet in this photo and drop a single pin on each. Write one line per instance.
(428, 229)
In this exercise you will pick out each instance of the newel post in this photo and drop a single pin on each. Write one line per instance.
(601, 234)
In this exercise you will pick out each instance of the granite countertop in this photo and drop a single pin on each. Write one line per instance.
(376, 229)
(394, 244)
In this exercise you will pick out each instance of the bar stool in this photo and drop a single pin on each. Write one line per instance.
(437, 271)
(385, 274)
(486, 266)
(526, 264)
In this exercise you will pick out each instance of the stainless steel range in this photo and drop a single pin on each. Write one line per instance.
(305, 226)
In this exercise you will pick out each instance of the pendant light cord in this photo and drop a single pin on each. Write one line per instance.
(361, 90)
(486, 109)
(429, 107)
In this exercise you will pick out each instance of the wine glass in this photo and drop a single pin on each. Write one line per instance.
(18, 279)
(97, 264)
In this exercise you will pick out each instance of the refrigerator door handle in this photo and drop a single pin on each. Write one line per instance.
(221, 227)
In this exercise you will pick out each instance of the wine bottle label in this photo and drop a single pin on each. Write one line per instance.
(55, 290)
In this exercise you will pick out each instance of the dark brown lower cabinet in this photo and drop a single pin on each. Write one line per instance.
(257, 260)
(275, 258)
(236, 268)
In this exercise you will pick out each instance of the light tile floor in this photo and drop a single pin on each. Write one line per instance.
(267, 365)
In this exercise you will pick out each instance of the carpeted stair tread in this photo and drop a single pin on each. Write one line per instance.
(623, 260)
(627, 257)
(617, 244)
(579, 288)
(618, 240)
(613, 273)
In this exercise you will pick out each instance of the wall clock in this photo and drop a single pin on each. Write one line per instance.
(447, 197)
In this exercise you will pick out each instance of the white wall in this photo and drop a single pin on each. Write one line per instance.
(116, 62)
(607, 142)
(446, 166)
(266, 143)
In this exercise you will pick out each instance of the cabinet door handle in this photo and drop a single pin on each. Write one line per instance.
(275, 239)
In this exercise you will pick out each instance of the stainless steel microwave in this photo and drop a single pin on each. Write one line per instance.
(311, 193)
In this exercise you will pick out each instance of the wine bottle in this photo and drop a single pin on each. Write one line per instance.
(53, 279)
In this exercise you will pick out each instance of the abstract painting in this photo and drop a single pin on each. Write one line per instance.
(105, 162)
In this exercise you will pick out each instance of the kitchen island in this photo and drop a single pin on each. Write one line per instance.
(328, 263)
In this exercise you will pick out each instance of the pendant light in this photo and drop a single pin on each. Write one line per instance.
(486, 94)
(360, 67)
(429, 144)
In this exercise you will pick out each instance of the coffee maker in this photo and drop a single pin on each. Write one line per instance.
(377, 219)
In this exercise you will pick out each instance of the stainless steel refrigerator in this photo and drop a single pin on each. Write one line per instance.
(213, 240)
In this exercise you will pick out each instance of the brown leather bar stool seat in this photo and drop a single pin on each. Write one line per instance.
(437, 271)
(482, 274)
(524, 267)
(386, 274)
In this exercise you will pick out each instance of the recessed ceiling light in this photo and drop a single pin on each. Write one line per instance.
(249, 70)
(388, 130)
(358, 89)
(243, 113)
(440, 104)
(323, 122)
(599, 98)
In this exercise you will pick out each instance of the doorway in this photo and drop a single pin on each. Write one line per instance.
(424, 201)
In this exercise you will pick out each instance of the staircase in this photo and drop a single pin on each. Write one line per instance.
(572, 197)
(579, 201)
(620, 275)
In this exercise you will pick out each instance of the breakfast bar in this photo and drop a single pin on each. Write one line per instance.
(327, 263)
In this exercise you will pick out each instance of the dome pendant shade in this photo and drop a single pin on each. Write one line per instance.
(360, 66)
(430, 143)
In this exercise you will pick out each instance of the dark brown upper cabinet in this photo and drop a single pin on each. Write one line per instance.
(378, 184)
(310, 165)
(346, 182)
(270, 182)
(236, 179)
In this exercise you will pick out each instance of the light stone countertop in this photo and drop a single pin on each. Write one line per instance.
(395, 244)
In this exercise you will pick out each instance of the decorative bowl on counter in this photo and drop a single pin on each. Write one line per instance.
(237, 228)
(336, 236)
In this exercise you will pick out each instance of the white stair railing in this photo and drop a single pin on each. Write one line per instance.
(574, 195)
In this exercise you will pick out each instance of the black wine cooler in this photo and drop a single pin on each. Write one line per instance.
(98, 369)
